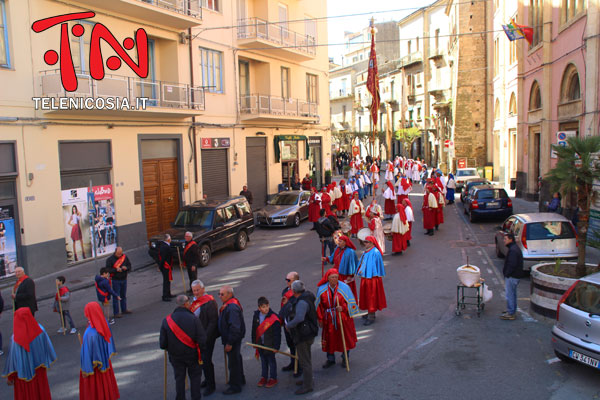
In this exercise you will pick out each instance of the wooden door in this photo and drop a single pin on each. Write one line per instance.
(161, 202)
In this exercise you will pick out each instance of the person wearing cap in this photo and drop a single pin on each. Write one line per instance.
(371, 271)
(400, 230)
(344, 259)
(335, 301)
(390, 196)
(355, 212)
(30, 355)
(97, 378)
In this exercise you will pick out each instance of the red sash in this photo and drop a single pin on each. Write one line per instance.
(196, 304)
(119, 262)
(102, 293)
(168, 267)
(262, 328)
(183, 337)
(62, 290)
(18, 283)
(187, 247)
(232, 300)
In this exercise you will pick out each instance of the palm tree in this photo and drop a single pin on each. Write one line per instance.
(577, 168)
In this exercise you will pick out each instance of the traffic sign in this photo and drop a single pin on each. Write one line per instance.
(562, 136)
(461, 163)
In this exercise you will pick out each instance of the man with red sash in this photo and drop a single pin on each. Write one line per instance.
(335, 299)
(429, 208)
(344, 259)
(205, 308)
(266, 331)
(23, 292)
(182, 335)
(165, 262)
(119, 266)
(233, 330)
(371, 271)
(191, 257)
(104, 291)
(306, 182)
(287, 300)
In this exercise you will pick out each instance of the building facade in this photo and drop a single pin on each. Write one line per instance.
(219, 102)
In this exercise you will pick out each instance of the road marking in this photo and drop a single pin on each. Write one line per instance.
(427, 341)
(553, 360)
(483, 261)
(322, 392)
(489, 271)
(479, 252)
(496, 282)
(526, 317)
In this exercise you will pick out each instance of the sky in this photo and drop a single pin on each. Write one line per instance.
(337, 26)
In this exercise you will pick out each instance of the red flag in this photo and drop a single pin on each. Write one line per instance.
(526, 31)
(373, 81)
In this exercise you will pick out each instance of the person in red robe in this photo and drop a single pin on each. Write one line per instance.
(410, 216)
(429, 209)
(336, 302)
(344, 259)
(30, 354)
(439, 215)
(344, 200)
(97, 378)
(400, 229)
(371, 270)
(325, 200)
(404, 188)
(389, 207)
(355, 212)
(314, 206)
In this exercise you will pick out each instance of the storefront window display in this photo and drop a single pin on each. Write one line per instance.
(8, 243)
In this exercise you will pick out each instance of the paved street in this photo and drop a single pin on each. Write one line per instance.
(417, 349)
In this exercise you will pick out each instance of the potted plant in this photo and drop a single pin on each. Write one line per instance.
(327, 176)
(575, 172)
(346, 171)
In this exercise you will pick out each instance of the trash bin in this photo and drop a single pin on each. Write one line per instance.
(513, 183)
(489, 173)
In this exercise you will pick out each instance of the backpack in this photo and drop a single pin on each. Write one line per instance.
(309, 328)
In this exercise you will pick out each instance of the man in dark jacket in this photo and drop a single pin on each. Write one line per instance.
(513, 271)
(287, 302)
(232, 329)
(247, 194)
(119, 266)
(302, 323)
(24, 291)
(182, 335)
(205, 308)
(191, 257)
(325, 230)
(164, 260)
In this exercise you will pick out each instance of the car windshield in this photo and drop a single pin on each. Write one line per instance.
(585, 296)
(467, 172)
(549, 230)
(476, 183)
(202, 218)
(284, 200)
(491, 194)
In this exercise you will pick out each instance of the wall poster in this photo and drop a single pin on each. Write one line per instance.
(8, 242)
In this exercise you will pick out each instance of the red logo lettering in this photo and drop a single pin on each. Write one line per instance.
(99, 31)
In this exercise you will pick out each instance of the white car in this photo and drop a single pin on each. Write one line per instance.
(464, 174)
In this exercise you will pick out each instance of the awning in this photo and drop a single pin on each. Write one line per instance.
(280, 138)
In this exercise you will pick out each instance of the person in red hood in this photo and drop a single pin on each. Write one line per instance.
(390, 196)
(326, 200)
(429, 208)
(400, 229)
(314, 206)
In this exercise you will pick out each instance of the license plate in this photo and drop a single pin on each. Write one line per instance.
(583, 358)
(493, 204)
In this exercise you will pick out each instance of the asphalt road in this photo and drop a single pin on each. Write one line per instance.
(417, 349)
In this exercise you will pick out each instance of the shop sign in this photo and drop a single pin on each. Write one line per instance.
(314, 142)
(215, 143)
(461, 163)
(8, 242)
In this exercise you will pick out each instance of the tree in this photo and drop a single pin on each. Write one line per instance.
(408, 136)
(577, 168)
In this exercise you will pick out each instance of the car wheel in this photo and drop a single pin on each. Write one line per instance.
(297, 220)
(498, 252)
(563, 358)
(204, 255)
(241, 241)
(472, 218)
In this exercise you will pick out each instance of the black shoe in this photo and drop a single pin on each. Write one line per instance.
(208, 391)
(303, 391)
(312, 229)
(408, 243)
(231, 390)
(369, 322)
(166, 299)
(343, 364)
(426, 233)
(289, 367)
(243, 380)
(298, 374)
(328, 364)
(366, 316)
(437, 228)
(172, 296)
(204, 384)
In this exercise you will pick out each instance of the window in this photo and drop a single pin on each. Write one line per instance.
(512, 105)
(570, 9)
(417, 43)
(497, 110)
(437, 40)
(211, 64)
(4, 48)
(570, 89)
(244, 78)
(312, 88)
(243, 208)
(285, 82)
(344, 113)
(212, 5)
(585, 297)
(82, 162)
(408, 45)
(535, 97)
(496, 57)
(283, 19)
(310, 27)
(536, 21)
(512, 51)
(230, 213)
(549, 230)
(80, 48)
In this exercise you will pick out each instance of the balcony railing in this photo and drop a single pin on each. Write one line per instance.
(436, 53)
(277, 34)
(185, 7)
(412, 58)
(158, 93)
(277, 106)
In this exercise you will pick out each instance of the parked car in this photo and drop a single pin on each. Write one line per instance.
(541, 236)
(488, 201)
(470, 183)
(576, 333)
(215, 224)
(287, 208)
(464, 174)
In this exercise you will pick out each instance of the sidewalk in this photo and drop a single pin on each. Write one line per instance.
(80, 276)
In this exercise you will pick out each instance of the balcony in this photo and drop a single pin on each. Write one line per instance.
(179, 14)
(438, 90)
(274, 108)
(162, 98)
(436, 54)
(411, 59)
(276, 39)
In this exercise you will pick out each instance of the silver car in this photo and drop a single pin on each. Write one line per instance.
(285, 209)
(576, 333)
(540, 236)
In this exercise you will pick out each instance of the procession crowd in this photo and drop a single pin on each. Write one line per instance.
(190, 333)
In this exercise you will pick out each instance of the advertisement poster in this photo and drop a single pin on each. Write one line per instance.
(104, 220)
(8, 242)
(78, 232)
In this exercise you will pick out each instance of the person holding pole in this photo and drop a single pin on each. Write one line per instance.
(266, 331)
(287, 300)
(103, 291)
(61, 305)
(119, 266)
(336, 306)
(164, 259)
(183, 336)
(233, 330)
(371, 271)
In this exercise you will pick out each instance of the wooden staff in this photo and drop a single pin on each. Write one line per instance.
(343, 337)
(226, 367)
(296, 363)
(80, 341)
(322, 256)
(165, 386)
(181, 268)
(62, 317)
(258, 346)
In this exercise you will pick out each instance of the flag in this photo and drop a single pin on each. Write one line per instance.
(510, 32)
(515, 31)
(373, 80)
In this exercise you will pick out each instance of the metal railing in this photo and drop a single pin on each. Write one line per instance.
(276, 33)
(193, 8)
(158, 93)
(275, 105)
